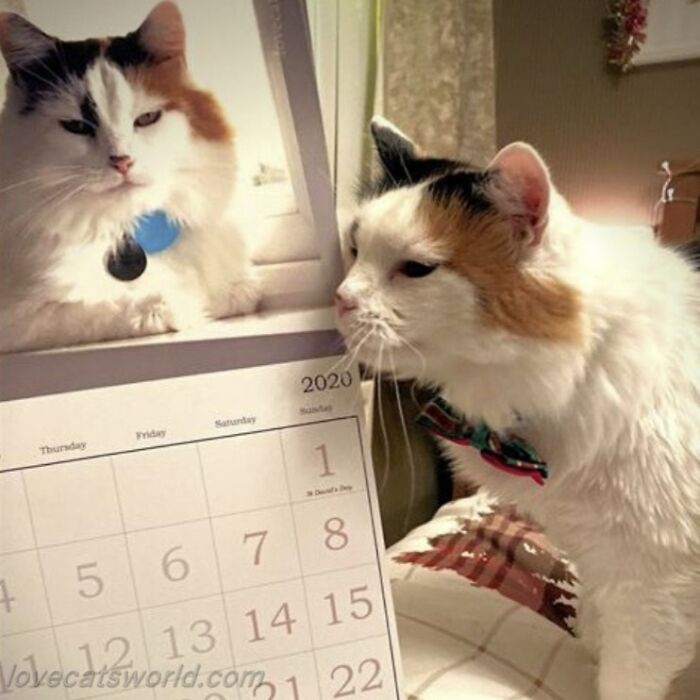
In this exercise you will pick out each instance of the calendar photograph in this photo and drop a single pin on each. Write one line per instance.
(164, 174)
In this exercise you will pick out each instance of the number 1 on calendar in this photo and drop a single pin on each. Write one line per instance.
(323, 451)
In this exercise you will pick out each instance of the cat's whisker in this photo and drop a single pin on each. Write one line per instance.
(345, 343)
(407, 444)
(366, 372)
(349, 343)
(421, 375)
(382, 423)
(357, 349)
(49, 202)
(13, 186)
(69, 196)
(348, 359)
(418, 354)
(360, 397)
(59, 183)
(70, 169)
(344, 356)
(42, 181)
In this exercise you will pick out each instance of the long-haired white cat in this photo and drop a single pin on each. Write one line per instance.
(580, 339)
(94, 135)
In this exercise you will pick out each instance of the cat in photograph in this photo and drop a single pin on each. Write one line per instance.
(96, 138)
(579, 339)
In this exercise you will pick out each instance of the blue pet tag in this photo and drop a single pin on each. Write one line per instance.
(153, 233)
(156, 231)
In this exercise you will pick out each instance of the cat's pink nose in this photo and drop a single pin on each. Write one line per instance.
(121, 164)
(343, 305)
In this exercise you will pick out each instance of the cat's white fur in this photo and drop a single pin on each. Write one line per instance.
(62, 208)
(617, 417)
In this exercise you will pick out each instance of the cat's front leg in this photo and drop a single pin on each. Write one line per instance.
(648, 636)
(244, 295)
(236, 298)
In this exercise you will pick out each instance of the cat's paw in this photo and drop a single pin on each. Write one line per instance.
(151, 316)
(244, 297)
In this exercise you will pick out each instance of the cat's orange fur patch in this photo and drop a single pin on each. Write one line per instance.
(482, 247)
(169, 80)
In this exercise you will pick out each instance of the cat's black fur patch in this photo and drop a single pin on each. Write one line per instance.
(465, 185)
(402, 166)
(448, 179)
(48, 74)
(88, 111)
(127, 51)
(405, 172)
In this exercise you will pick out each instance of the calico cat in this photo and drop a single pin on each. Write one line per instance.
(580, 339)
(95, 134)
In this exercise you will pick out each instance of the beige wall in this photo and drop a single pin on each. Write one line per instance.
(603, 136)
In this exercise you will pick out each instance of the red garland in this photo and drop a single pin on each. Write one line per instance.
(625, 31)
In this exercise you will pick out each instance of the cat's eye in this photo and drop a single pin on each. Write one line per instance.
(353, 251)
(148, 118)
(78, 126)
(413, 268)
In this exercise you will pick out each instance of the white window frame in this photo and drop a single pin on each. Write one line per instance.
(286, 42)
(673, 32)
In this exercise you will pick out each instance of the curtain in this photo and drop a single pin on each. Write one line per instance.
(438, 75)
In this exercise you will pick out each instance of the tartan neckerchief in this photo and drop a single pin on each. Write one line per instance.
(506, 452)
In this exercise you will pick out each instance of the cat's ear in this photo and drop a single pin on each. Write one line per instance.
(21, 42)
(162, 33)
(522, 187)
(395, 150)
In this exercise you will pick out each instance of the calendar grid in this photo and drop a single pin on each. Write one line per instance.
(131, 611)
(218, 564)
(140, 533)
(301, 566)
(180, 443)
(43, 583)
(132, 578)
(131, 531)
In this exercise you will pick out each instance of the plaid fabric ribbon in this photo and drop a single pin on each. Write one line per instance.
(508, 453)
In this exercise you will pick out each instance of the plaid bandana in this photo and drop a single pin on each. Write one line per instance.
(508, 453)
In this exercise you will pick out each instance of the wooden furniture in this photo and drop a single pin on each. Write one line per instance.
(679, 218)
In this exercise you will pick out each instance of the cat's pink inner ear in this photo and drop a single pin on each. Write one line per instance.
(163, 32)
(527, 178)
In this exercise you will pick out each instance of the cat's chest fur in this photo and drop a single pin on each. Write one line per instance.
(80, 272)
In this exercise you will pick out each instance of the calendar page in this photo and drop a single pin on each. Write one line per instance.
(203, 537)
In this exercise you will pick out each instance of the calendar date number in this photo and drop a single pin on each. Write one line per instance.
(326, 382)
